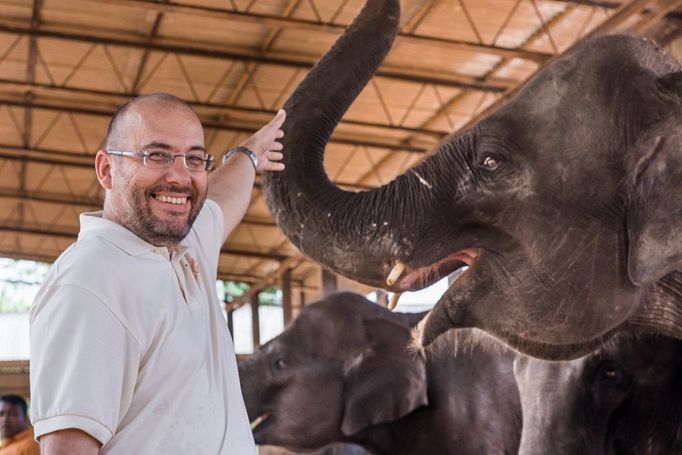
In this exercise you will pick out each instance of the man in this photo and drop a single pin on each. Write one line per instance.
(130, 352)
(15, 431)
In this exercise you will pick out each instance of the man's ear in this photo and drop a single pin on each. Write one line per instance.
(385, 381)
(103, 169)
(654, 213)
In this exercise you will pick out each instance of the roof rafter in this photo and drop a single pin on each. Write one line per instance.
(120, 97)
(73, 234)
(96, 204)
(71, 160)
(207, 124)
(285, 22)
(212, 51)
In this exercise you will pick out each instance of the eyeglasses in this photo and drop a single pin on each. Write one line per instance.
(159, 159)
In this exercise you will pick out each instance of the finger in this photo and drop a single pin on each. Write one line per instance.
(277, 166)
(275, 156)
(276, 146)
(279, 134)
(278, 120)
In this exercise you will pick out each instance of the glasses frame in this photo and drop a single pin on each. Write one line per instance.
(144, 154)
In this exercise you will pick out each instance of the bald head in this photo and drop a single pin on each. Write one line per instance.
(128, 118)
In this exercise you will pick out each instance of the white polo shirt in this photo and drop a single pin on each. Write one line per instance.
(131, 346)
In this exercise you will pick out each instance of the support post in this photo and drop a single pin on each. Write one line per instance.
(255, 320)
(286, 296)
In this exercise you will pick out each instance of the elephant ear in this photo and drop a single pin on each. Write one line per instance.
(654, 218)
(385, 381)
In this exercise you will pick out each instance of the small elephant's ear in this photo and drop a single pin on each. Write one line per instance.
(385, 381)
(654, 217)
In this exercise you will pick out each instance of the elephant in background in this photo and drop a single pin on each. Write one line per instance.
(623, 399)
(564, 203)
(343, 372)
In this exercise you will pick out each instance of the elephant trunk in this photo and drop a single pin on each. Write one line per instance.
(359, 235)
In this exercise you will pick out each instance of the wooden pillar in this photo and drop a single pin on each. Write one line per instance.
(286, 296)
(329, 284)
(230, 323)
(255, 320)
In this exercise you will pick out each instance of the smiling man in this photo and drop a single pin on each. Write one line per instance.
(130, 352)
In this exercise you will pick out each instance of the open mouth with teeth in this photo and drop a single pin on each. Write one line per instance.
(177, 200)
(402, 279)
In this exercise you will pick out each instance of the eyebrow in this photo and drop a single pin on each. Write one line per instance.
(163, 145)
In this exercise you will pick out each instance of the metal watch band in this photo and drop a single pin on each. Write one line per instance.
(245, 151)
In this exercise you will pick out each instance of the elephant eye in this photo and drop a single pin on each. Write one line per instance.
(491, 162)
(280, 364)
(612, 376)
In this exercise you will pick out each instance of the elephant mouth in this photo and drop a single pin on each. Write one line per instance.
(419, 278)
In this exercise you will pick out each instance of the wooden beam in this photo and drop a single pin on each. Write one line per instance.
(117, 98)
(73, 234)
(73, 109)
(69, 159)
(213, 51)
(315, 26)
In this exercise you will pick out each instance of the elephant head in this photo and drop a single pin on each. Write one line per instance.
(343, 372)
(622, 399)
(563, 203)
(341, 367)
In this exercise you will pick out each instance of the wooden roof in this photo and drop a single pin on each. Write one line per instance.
(66, 64)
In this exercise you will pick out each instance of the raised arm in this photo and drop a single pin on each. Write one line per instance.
(230, 184)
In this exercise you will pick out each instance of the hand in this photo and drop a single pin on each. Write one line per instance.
(265, 145)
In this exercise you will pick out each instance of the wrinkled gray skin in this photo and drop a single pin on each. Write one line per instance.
(342, 372)
(568, 196)
(624, 399)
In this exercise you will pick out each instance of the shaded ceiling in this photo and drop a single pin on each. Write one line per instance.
(66, 64)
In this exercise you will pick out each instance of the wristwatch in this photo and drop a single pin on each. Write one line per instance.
(245, 151)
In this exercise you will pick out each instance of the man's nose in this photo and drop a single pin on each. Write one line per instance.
(178, 172)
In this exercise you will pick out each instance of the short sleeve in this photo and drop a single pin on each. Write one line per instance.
(84, 364)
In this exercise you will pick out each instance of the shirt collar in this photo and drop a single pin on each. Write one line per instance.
(93, 223)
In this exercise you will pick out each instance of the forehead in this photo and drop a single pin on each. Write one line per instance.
(166, 123)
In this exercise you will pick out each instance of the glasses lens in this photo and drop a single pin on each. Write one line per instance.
(157, 159)
(195, 162)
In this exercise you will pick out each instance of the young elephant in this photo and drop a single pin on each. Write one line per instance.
(623, 399)
(343, 372)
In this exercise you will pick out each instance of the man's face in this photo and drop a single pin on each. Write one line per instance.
(159, 205)
(12, 420)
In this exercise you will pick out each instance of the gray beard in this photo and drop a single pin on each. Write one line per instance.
(145, 225)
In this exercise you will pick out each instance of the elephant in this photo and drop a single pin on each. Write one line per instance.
(622, 399)
(342, 371)
(563, 203)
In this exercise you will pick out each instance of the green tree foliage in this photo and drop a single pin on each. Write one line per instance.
(19, 283)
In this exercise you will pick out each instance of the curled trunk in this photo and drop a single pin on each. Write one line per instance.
(355, 234)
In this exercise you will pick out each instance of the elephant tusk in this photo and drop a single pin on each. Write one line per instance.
(394, 300)
(258, 420)
(398, 270)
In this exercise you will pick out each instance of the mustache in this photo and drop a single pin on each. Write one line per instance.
(165, 188)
